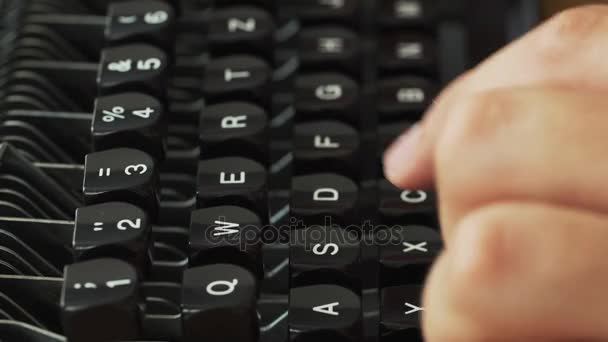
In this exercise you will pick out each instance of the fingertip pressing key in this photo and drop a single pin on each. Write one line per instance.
(399, 160)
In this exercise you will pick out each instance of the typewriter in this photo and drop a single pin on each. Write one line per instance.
(198, 170)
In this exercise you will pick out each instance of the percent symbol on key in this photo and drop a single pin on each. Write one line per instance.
(115, 113)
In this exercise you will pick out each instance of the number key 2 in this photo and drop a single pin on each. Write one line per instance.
(113, 228)
(121, 174)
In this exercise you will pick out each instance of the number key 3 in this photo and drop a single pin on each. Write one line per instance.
(121, 174)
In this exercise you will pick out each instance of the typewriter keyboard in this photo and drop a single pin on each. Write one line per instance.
(210, 171)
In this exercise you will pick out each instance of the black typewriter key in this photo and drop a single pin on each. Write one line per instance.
(407, 13)
(407, 52)
(241, 29)
(112, 229)
(326, 95)
(317, 197)
(129, 120)
(329, 47)
(323, 249)
(400, 313)
(219, 304)
(136, 67)
(405, 97)
(151, 22)
(406, 253)
(325, 312)
(233, 181)
(121, 174)
(226, 234)
(234, 128)
(99, 301)
(326, 146)
(240, 77)
(414, 206)
(315, 11)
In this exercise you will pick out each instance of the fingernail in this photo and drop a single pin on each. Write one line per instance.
(397, 158)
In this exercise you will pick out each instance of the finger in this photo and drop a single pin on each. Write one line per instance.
(504, 279)
(567, 50)
(529, 144)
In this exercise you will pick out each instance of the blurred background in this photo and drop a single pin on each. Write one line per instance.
(552, 6)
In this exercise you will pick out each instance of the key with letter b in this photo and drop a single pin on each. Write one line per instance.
(219, 304)
(99, 301)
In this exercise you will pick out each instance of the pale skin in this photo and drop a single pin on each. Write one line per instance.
(518, 151)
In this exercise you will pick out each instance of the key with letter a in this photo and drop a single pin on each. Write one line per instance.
(324, 313)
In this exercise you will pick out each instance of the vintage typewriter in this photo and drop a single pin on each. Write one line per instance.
(198, 170)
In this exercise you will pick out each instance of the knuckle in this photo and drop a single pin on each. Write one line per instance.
(484, 242)
(475, 117)
(567, 29)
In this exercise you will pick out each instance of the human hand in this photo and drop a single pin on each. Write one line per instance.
(518, 150)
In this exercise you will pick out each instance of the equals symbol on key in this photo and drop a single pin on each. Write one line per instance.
(97, 226)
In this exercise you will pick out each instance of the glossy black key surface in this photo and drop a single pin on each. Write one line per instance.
(241, 29)
(327, 10)
(242, 77)
(326, 146)
(328, 47)
(402, 205)
(407, 13)
(324, 313)
(135, 67)
(407, 52)
(404, 97)
(121, 174)
(226, 234)
(133, 120)
(233, 181)
(141, 21)
(112, 229)
(406, 253)
(232, 129)
(102, 290)
(315, 252)
(323, 95)
(317, 198)
(219, 304)
(400, 313)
